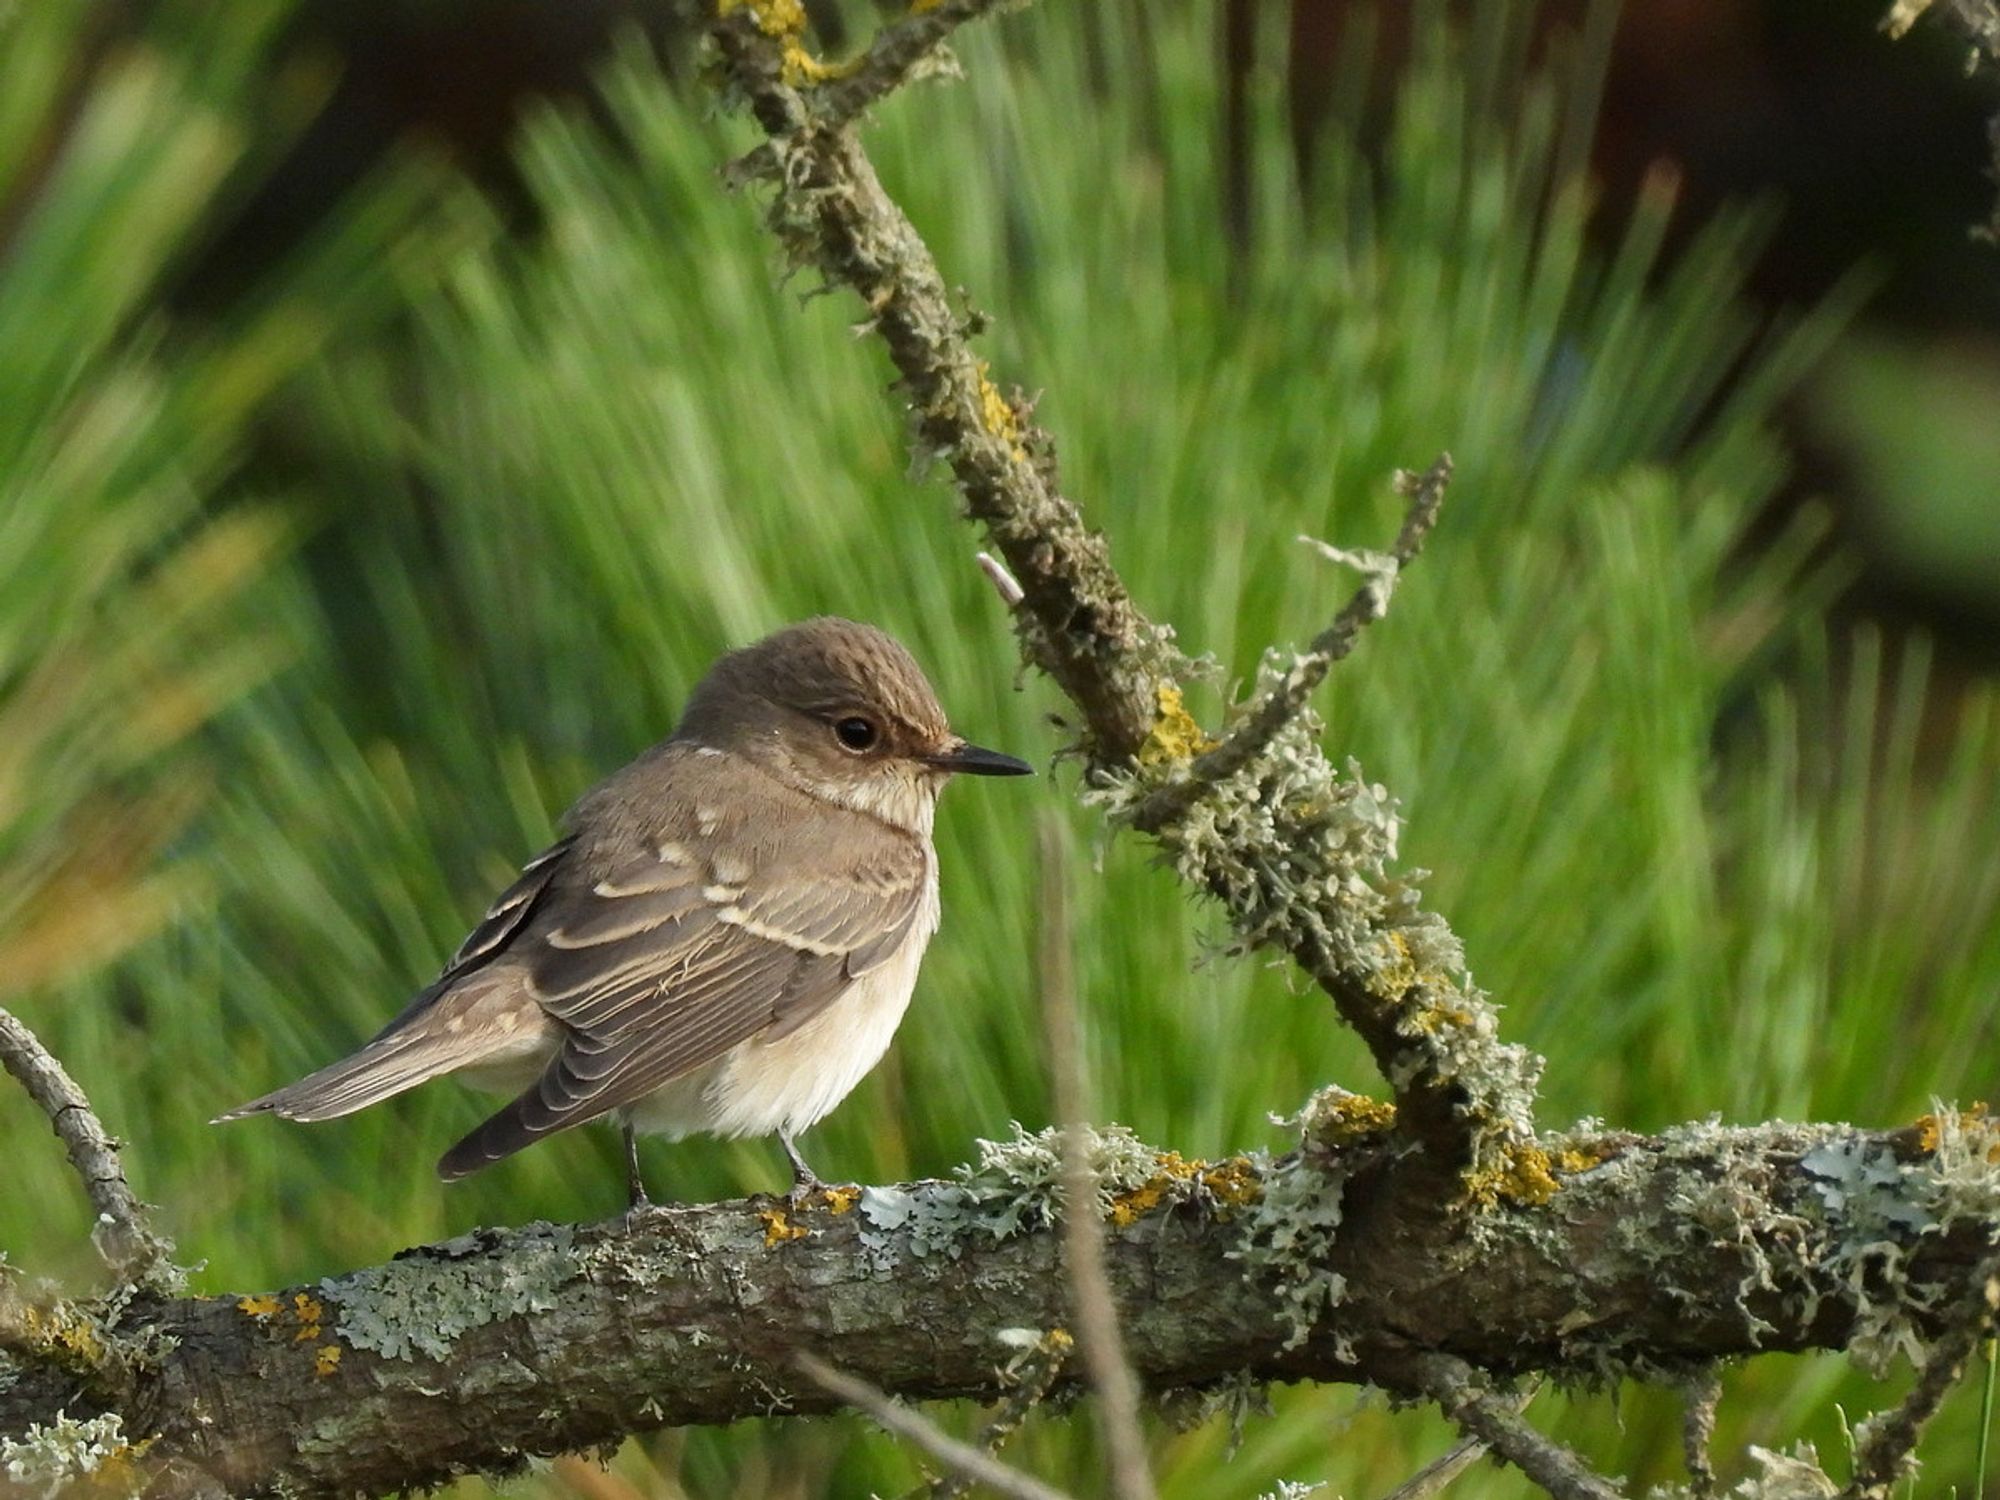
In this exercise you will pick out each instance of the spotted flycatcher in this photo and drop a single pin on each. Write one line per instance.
(726, 935)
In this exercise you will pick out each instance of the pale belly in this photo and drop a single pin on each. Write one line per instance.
(761, 1088)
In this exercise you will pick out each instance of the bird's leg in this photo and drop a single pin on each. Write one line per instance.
(805, 1181)
(635, 1184)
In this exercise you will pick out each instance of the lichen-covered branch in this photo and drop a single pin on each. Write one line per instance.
(1298, 855)
(1285, 698)
(122, 1235)
(1655, 1255)
(1886, 1446)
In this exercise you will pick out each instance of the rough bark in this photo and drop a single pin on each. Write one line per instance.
(1668, 1252)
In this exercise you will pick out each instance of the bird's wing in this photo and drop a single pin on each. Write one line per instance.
(676, 954)
(509, 914)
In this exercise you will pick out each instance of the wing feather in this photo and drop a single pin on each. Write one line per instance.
(692, 945)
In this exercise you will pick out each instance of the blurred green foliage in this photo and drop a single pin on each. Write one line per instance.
(1711, 860)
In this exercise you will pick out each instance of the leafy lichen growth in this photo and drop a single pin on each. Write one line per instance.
(67, 1456)
(1288, 1239)
(422, 1303)
(1018, 1185)
(1300, 857)
(1879, 1207)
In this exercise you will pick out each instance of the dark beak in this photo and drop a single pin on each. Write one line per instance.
(970, 760)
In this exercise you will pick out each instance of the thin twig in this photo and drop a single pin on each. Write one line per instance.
(1441, 1471)
(1703, 1394)
(916, 1429)
(1282, 702)
(1083, 1232)
(1458, 1389)
(133, 1251)
(1886, 1450)
(847, 89)
(1034, 1373)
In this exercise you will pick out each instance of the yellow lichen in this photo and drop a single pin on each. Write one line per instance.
(1573, 1159)
(1175, 735)
(308, 1311)
(64, 1335)
(1397, 970)
(1234, 1182)
(1524, 1177)
(1130, 1207)
(778, 1228)
(326, 1360)
(1349, 1117)
(263, 1306)
(116, 1474)
(998, 416)
(1973, 1119)
(785, 20)
(840, 1200)
(1429, 1016)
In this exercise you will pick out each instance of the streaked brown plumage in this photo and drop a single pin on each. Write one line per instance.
(727, 934)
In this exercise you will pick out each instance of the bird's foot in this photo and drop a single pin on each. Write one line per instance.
(805, 1187)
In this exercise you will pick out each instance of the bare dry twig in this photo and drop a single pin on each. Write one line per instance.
(1497, 1422)
(1091, 1301)
(1442, 1470)
(129, 1246)
(1034, 1372)
(919, 1431)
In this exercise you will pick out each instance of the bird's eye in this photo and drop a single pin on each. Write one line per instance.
(855, 733)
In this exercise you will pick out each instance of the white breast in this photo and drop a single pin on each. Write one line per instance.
(760, 1088)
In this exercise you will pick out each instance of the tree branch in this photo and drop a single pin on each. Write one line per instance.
(1296, 854)
(1885, 1453)
(121, 1234)
(475, 1354)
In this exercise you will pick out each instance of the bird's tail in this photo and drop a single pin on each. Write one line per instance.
(388, 1065)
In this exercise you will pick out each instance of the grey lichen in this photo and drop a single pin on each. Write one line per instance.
(423, 1303)
(1792, 1475)
(1300, 858)
(1015, 1185)
(49, 1458)
(1288, 1239)
(1878, 1207)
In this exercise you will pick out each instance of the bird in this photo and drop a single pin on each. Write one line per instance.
(725, 935)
